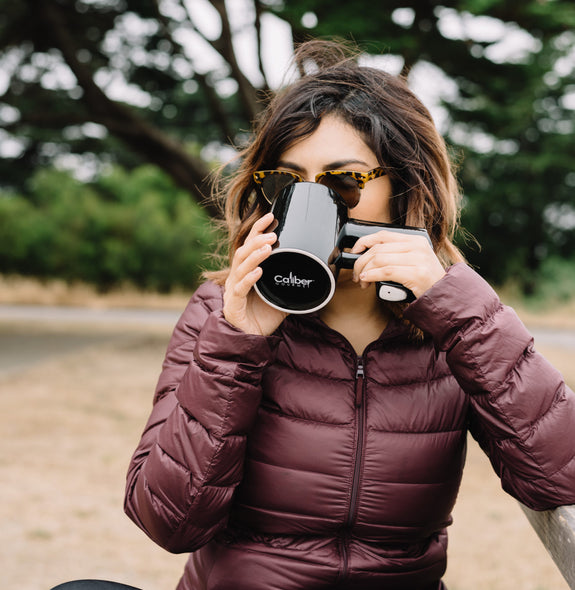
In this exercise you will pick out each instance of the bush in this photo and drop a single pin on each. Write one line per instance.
(127, 227)
(556, 280)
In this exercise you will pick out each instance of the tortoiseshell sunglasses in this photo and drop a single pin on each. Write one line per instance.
(345, 183)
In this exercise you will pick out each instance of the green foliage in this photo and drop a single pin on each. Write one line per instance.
(509, 111)
(556, 280)
(126, 227)
(508, 116)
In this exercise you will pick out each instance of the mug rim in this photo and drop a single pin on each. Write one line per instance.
(317, 259)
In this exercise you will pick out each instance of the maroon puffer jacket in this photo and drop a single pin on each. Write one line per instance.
(287, 462)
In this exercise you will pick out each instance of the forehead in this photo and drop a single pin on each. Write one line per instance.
(334, 140)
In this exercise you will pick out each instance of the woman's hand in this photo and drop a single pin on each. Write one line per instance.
(243, 308)
(392, 256)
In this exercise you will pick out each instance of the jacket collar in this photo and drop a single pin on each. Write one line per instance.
(311, 326)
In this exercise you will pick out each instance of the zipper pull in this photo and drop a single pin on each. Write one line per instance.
(359, 374)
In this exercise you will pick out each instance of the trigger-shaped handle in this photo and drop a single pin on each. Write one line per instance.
(386, 290)
(345, 259)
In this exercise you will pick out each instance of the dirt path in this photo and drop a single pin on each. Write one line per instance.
(33, 333)
(71, 417)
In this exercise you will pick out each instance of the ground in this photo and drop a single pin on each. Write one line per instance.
(70, 423)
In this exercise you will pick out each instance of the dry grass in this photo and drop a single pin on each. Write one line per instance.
(70, 424)
(560, 316)
(29, 291)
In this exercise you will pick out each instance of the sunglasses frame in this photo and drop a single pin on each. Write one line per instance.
(360, 177)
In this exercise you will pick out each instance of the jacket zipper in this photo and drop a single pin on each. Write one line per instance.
(360, 408)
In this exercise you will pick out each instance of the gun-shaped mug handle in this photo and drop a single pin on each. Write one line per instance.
(354, 229)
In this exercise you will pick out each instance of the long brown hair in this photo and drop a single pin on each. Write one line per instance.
(394, 123)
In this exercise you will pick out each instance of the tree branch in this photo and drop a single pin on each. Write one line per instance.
(258, 27)
(188, 171)
(224, 46)
(214, 102)
(46, 120)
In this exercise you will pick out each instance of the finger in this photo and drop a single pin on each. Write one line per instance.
(397, 274)
(396, 261)
(253, 258)
(261, 225)
(256, 257)
(386, 237)
(383, 268)
(240, 289)
(252, 244)
(415, 272)
(382, 254)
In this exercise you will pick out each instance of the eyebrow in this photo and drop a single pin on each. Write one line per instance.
(337, 165)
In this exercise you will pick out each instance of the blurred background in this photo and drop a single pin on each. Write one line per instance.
(112, 115)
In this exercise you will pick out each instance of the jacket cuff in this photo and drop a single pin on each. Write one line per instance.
(460, 298)
(222, 347)
(222, 388)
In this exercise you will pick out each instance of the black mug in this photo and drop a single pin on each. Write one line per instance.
(313, 233)
(297, 277)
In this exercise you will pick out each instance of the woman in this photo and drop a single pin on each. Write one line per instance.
(326, 450)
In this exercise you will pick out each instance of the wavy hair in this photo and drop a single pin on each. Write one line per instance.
(393, 122)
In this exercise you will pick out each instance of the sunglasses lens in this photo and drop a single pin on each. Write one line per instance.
(273, 183)
(344, 185)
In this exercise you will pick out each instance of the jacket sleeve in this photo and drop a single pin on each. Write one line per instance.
(521, 411)
(190, 458)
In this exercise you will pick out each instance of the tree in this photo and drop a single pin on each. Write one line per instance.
(507, 72)
(121, 229)
(148, 81)
(64, 58)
